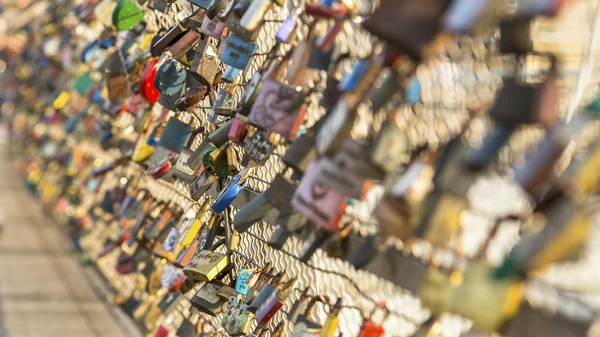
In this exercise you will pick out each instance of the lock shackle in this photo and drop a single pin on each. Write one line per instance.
(379, 306)
(336, 307)
(313, 301)
(217, 245)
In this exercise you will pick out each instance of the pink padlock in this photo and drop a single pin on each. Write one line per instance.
(319, 203)
(238, 131)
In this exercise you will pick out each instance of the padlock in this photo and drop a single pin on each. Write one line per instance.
(371, 329)
(217, 162)
(237, 319)
(161, 162)
(397, 210)
(238, 131)
(304, 325)
(420, 24)
(230, 75)
(317, 239)
(195, 159)
(116, 78)
(184, 49)
(529, 8)
(580, 178)
(317, 202)
(208, 300)
(336, 128)
(251, 90)
(331, 323)
(523, 103)
(269, 286)
(201, 184)
(488, 302)
(288, 221)
(205, 66)
(169, 38)
(190, 227)
(191, 98)
(348, 172)
(182, 170)
(563, 236)
(233, 160)
(274, 303)
(271, 109)
(466, 17)
(230, 192)
(170, 79)
(287, 30)
(350, 82)
(127, 14)
(220, 136)
(257, 150)
(185, 256)
(207, 236)
(387, 146)
(176, 134)
(300, 153)
(492, 143)
(206, 265)
(516, 36)
(255, 13)
(169, 302)
(278, 192)
(147, 88)
(204, 4)
(187, 328)
(236, 52)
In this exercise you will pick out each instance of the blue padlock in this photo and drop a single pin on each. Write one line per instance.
(175, 135)
(204, 4)
(228, 194)
(105, 138)
(230, 74)
(105, 44)
(170, 77)
(73, 121)
(237, 52)
(327, 3)
(97, 97)
(88, 51)
(152, 139)
(350, 82)
(413, 92)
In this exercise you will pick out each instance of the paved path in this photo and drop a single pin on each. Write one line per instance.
(44, 292)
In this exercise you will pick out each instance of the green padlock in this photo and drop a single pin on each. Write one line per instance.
(127, 14)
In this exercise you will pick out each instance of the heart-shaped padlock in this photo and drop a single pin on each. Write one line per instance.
(127, 14)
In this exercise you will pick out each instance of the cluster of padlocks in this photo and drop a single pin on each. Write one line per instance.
(193, 102)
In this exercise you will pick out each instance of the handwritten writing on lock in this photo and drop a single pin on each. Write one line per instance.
(270, 110)
(319, 203)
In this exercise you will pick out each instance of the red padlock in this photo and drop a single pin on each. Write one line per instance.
(369, 327)
(161, 332)
(147, 88)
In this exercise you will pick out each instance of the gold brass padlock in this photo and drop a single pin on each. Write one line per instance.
(207, 264)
